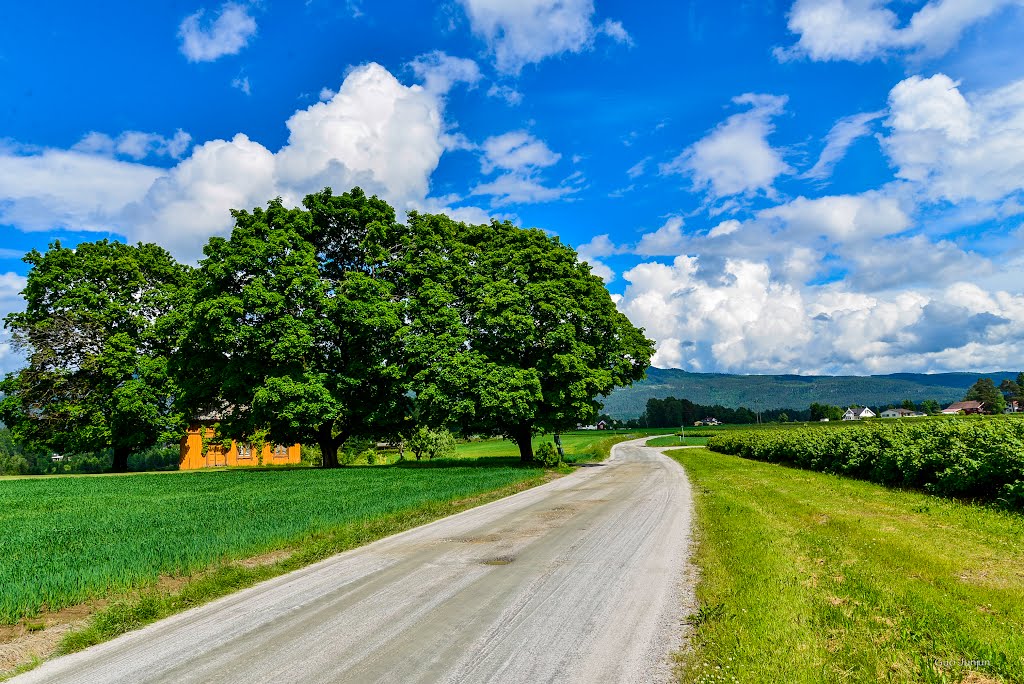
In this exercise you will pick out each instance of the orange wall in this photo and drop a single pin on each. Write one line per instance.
(192, 457)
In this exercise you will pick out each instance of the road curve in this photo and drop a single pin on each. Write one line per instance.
(584, 579)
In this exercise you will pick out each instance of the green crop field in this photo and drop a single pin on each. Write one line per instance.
(69, 539)
(980, 457)
(807, 577)
(675, 440)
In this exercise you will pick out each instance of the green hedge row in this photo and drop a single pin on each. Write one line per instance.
(977, 459)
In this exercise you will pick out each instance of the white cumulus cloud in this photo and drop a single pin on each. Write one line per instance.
(860, 30)
(516, 151)
(374, 132)
(227, 34)
(666, 240)
(592, 252)
(521, 32)
(440, 71)
(520, 157)
(740, 317)
(956, 147)
(842, 218)
(135, 144)
(735, 158)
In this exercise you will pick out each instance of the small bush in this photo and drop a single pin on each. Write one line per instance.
(310, 455)
(548, 455)
(431, 443)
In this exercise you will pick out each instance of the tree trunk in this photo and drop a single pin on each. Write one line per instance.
(329, 445)
(523, 435)
(120, 464)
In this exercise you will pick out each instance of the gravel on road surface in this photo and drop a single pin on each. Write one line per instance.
(584, 579)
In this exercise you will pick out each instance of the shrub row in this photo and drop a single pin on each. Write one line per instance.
(977, 459)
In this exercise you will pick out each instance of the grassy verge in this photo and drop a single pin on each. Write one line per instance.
(808, 577)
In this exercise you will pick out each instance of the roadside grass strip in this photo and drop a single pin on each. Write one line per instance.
(810, 577)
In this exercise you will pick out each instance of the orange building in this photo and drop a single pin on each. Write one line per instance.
(192, 456)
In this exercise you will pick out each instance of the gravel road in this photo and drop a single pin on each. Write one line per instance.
(584, 579)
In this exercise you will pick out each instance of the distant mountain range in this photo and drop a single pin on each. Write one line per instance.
(762, 392)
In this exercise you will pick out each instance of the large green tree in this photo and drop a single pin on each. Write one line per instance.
(97, 374)
(1013, 390)
(508, 332)
(985, 391)
(292, 331)
(825, 411)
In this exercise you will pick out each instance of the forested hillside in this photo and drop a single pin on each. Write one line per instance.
(762, 392)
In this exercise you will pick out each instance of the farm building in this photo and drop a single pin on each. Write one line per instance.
(965, 407)
(853, 413)
(193, 458)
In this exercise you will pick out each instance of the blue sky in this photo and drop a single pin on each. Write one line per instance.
(818, 186)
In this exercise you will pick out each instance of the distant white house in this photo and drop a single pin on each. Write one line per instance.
(858, 413)
(901, 413)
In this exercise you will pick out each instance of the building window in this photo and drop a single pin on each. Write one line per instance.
(244, 452)
(280, 451)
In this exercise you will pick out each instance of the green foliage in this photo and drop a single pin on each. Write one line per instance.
(67, 540)
(431, 444)
(978, 459)
(97, 362)
(309, 454)
(13, 460)
(547, 455)
(357, 449)
(984, 390)
(509, 332)
(13, 464)
(293, 327)
(821, 412)
(160, 457)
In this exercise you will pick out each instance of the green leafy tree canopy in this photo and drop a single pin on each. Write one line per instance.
(985, 391)
(292, 331)
(97, 374)
(509, 332)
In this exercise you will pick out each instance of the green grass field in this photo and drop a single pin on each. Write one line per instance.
(808, 577)
(69, 539)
